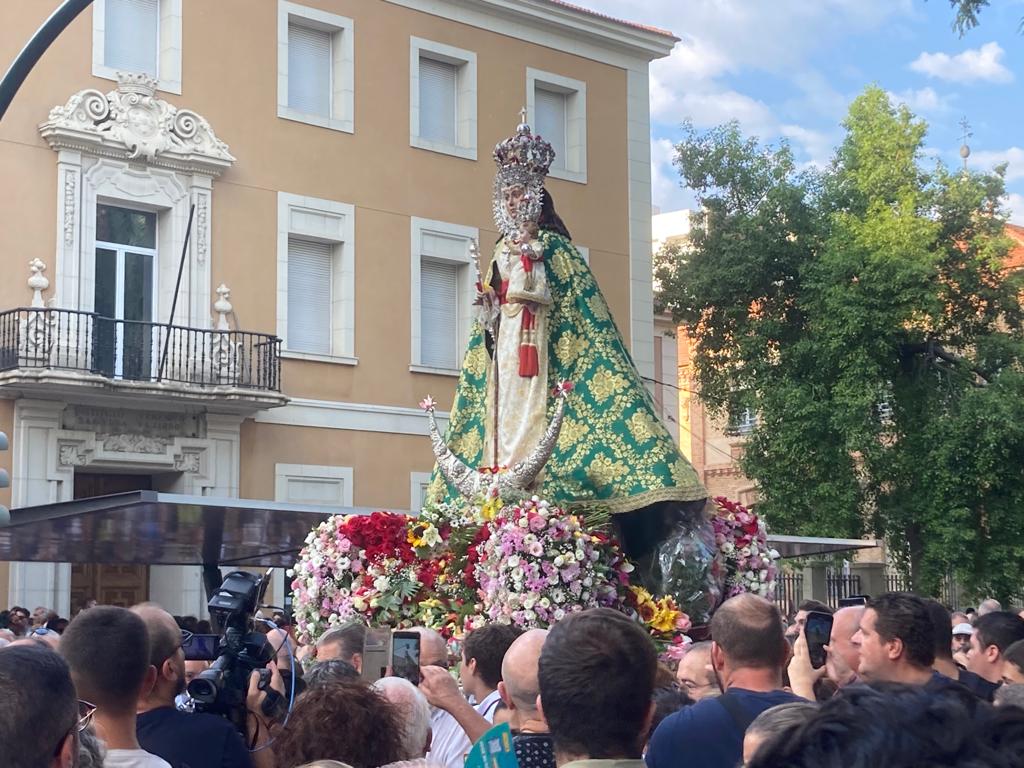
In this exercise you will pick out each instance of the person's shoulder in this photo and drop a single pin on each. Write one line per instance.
(133, 758)
(695, 718)
(767, 698)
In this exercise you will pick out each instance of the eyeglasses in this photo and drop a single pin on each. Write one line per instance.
(85, 713)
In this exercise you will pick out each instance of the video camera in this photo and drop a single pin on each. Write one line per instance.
(222, 689)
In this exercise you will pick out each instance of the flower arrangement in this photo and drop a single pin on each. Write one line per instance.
(748, 563)
(540, 564)
(359, 567)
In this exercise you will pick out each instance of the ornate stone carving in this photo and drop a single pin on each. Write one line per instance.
(70, 206)
(135, 444)
(38, 326)
(133, 122)
(225, 354)
(187, 462)
(202, 228)
(72, 455)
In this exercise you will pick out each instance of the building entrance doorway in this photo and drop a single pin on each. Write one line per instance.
(123, 585)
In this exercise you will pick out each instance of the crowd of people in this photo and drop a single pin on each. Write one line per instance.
(904, 683)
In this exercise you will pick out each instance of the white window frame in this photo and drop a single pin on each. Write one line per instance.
(574, 167)
(465, 97)
(342, 30)
(168, 51)
(467, 292)
(418, 482)
(337, 227)
(317, 473)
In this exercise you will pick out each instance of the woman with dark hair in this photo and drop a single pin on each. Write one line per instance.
(345, 721)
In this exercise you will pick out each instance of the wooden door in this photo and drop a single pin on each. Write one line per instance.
(123, 585)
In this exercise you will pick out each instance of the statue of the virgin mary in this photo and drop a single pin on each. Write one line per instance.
(543, 322)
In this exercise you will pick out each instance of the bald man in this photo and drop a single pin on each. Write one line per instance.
(519, 690)
(195, 740)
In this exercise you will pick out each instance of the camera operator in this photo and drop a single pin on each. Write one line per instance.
(193, 740)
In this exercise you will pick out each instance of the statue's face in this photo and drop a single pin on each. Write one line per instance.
(514, 197)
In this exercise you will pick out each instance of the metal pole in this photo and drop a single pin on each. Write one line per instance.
(177, 290)
(36, 47)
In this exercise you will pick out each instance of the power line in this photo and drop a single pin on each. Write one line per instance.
(707, 443)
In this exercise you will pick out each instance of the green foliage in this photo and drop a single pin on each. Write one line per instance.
(967, 12)
(862, 310)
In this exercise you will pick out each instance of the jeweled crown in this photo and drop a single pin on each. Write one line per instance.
(524, 152)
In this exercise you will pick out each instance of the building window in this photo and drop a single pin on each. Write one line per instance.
(315, 67)
(442, 294)
(442, 116)
(742, 423)
(313, 484)
(418, 484)
(140, 36)
(316, 278)
(309, 295)
(556, 109)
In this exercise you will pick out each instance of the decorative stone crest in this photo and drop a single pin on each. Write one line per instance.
(72, 455)
(187, 461)
(132, 122)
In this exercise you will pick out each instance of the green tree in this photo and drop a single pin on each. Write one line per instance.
(863, 312)
(967, 12)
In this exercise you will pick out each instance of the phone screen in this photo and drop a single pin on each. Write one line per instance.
(202, 648)
(405, 656)
(818, 630)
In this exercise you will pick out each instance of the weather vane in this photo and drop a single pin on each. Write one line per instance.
(965, 128)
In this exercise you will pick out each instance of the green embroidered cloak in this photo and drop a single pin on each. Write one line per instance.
(613, 452)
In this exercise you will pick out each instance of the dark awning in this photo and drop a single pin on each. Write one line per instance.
(152, 528)
(806, 546)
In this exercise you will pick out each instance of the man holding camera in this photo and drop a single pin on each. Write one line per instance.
(192, 740)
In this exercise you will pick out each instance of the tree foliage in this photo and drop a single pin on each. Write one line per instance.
(864, 313)
(966, 17)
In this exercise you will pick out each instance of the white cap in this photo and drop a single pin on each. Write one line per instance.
(963, 629)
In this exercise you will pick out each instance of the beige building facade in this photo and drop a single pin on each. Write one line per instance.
(334, 156)
(713, 444)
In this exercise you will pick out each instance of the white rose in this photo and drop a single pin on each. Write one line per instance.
(528, 603)
(523, 522)
(728, 548)
(545, 603)
(559, 561)
(513, 561)
(381, 583)
(559, 614)
(529, 615)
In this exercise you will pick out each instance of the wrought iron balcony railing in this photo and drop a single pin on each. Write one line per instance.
(129, 350)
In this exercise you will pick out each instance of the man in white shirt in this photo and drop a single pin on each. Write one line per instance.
(107, 649)
(457, 723)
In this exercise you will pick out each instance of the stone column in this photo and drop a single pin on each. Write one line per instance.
(816, 582)
(873, 581)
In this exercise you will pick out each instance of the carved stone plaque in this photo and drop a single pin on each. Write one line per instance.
(120, 429)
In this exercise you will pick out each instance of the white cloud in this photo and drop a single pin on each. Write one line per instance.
(1014, 203)
(817, 145)
(967, 67)
(666, 190)
(922, 100)
(987, 159)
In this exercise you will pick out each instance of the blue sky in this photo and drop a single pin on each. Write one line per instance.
(789, 68)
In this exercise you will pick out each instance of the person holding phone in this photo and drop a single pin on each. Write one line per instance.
(842, 656)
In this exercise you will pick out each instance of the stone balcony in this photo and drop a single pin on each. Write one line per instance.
(53, 353)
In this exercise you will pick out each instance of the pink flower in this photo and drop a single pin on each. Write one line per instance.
(427, 403)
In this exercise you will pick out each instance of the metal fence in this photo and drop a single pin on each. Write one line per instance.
(789, 592)
(840, 586)
(131, 350)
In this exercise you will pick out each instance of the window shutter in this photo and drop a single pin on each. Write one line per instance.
(550, 109)
(439, 314)
(309, 296)
(309, 70)
(131, 37)
(438, 101)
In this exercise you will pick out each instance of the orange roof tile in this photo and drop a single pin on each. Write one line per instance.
(633, 24)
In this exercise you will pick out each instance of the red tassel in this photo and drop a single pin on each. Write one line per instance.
(529, 364)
